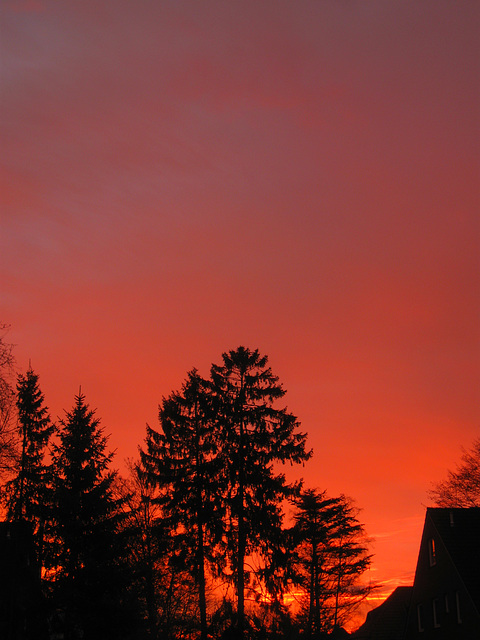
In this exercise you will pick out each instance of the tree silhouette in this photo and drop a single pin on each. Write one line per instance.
(144, 536)
(8, 432)
(349, 559)
(462, 487)
(311, 533)
(182, 461)
(125, 558)
(330, 556)
(29, 490)
(254, 436)
(84, 557)
(162, 583)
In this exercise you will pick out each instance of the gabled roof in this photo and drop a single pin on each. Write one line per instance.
(459, 530)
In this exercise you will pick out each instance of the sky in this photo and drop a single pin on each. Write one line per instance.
(179, 178)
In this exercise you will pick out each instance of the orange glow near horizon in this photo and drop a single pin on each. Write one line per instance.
(179, 179)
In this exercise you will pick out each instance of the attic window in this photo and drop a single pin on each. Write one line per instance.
(420, 617)
(457, 602)
(436, 623)
(431, 552)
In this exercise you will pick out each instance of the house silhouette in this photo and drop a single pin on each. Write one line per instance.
(444, 602)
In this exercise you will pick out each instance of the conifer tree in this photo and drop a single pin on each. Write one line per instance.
(330, 555)
(311, 534)
(142, 533)
(85, 569)
(28, 500)
(182, 461)
(255, 436)
(164, 587)
(29, 490)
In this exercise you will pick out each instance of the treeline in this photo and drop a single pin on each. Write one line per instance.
(193, 542)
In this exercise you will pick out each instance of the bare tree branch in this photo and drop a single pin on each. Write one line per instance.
(8, 431)
(462, 487)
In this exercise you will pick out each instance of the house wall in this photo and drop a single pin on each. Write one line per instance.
(446, 610)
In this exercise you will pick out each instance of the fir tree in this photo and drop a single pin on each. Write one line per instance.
(330, 555)
(182, 461)
(29, 491)
(85, 569)
(255, 436)
(29, 487)
(311, 533)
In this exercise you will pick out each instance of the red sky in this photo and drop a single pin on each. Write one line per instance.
(179, 178)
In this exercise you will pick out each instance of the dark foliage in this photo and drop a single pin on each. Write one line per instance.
(164, 586)
(86, 572)
(330, 555)
(29, 493)
(192, 544)
(182, 462)
(254, 436)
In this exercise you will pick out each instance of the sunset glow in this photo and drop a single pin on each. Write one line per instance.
(181, 178)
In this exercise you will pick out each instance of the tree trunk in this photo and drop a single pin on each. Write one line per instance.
(241, 557)
(18, 512)
(241, 527)
(201, 578)
(337, 593)
(202, 600)
(317, 620)
(150, 589)
(311, 594)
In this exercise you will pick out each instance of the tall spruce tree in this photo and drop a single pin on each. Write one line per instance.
(182, 462)
(30, 489)
(255, 436)
(86, 574)
(34, 425)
